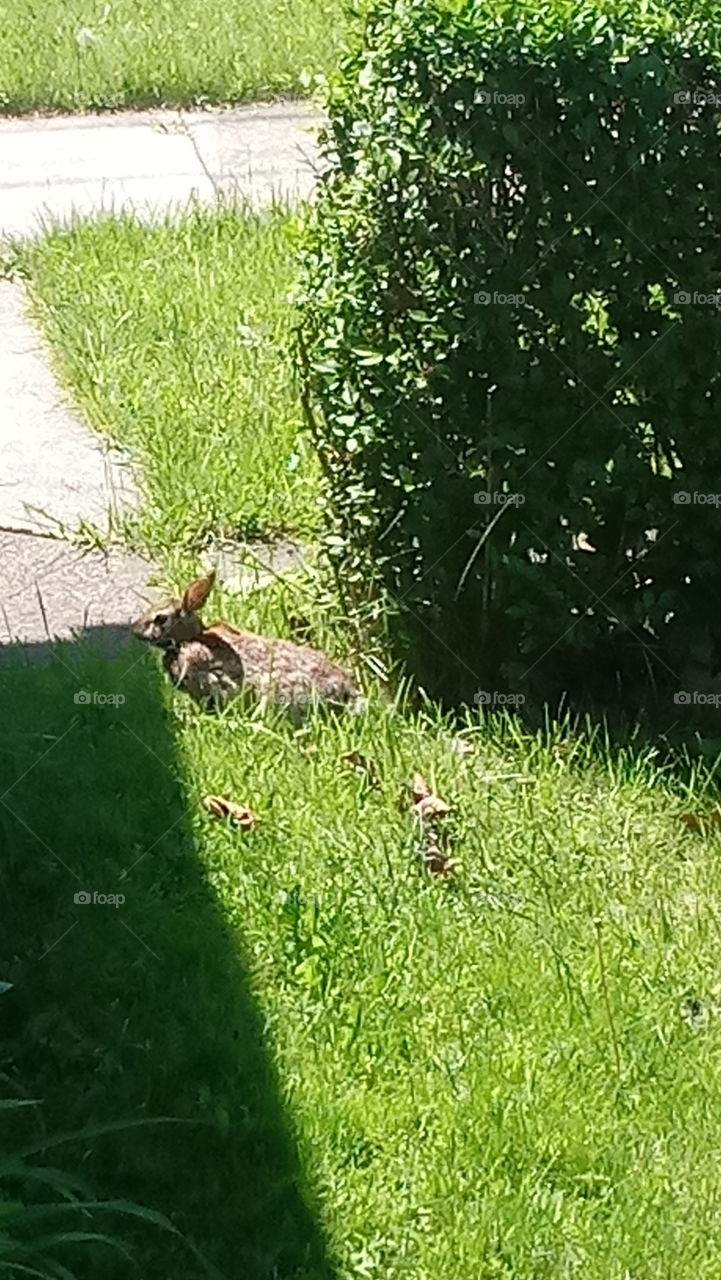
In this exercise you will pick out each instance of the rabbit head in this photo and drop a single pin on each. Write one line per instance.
(168, 625)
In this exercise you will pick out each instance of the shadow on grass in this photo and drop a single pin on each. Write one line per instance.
(140, 1009)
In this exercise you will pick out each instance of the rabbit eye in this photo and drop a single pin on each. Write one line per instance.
(160, 619)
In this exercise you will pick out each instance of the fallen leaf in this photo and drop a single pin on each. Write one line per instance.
(432, 807)
(701, 821)
(427, 808)
(435, 861)
(419, 788)
(361, 764)
(426, 804)
(437, 864)
(238, 814)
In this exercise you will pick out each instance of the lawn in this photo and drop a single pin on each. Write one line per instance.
(84, 54)
(511, 1075)
(518, 1076)
(174, 340)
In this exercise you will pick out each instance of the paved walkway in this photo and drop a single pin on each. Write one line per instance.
(54, 472)
(152, 161)
(53, 475)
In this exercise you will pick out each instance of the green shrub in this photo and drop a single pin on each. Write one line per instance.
(495, 356)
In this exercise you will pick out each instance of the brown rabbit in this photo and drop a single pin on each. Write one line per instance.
(214, 664)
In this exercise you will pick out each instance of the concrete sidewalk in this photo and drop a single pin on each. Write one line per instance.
(152, 162)
(54, 474)
(54, 471)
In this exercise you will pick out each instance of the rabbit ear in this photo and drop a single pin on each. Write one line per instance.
(197, 593)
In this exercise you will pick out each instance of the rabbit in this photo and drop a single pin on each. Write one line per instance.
(214, 664)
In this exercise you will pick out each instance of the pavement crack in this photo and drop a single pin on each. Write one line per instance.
(201, 161)
(34, 533)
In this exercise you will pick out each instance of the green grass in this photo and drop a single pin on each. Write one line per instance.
(87, 54)
(509, 1079)
(142, 1010)
(514, 1078)
(47, 1211)
(174, 340)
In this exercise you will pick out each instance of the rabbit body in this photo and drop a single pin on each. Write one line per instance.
(211, 673)
(222, 662)
(217, 663)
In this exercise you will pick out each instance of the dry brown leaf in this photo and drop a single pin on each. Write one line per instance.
(426, 804)
(419, 788)
(427, 808)
(437, 864)
(432, 807)
(238, 814)
(435, 861)
(701, 821)
(361, 764)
